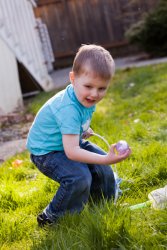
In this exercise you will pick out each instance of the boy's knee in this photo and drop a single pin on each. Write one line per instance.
(83, 183)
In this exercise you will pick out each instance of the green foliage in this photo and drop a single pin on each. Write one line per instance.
(150, 33)
(135, 110)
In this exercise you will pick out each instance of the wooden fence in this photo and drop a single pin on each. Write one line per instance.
(73, 22)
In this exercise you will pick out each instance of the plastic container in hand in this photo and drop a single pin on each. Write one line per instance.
(121, 146)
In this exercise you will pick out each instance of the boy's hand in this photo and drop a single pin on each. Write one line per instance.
(112, 157)
(87, 133)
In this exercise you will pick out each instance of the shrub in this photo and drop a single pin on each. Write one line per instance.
(150, 33)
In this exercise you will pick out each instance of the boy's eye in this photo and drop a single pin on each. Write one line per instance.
(88, 86)
(102, 89)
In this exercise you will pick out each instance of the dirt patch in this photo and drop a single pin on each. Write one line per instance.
(14, 128)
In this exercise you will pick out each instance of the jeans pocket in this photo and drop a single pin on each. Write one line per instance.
(50, 167)
(39, 161)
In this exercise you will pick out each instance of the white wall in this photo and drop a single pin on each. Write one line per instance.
(10, 92)
(19, 29)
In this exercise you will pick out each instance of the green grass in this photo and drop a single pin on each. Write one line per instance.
(134, 110)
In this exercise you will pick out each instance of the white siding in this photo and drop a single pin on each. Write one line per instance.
(10, 92)
(19, 29)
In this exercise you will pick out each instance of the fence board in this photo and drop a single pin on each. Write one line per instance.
(74, 22)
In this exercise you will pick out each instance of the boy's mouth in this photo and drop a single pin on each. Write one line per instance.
(90, 101)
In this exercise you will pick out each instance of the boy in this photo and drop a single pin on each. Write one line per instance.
(56, 137)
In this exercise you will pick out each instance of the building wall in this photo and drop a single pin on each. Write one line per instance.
(10, 92)
(28, 39)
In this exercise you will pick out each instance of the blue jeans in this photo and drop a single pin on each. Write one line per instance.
(78, 181)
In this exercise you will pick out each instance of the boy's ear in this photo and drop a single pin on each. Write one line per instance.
(71, 76)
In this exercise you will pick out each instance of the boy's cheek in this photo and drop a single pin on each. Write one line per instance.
(101, 97)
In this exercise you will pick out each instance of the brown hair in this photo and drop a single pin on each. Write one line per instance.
(100, 61)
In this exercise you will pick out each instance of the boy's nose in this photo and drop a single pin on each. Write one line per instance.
(95, 93)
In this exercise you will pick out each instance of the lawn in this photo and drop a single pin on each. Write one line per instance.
(134, 110)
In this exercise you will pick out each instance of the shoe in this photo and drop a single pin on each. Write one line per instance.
(43, 220)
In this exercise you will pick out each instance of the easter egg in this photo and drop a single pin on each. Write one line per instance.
(121, 146)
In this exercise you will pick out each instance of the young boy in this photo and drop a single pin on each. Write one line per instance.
(56, 137)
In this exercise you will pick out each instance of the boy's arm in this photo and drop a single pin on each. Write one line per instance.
(75, 153)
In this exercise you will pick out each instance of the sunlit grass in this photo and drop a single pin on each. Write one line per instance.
(134, 110)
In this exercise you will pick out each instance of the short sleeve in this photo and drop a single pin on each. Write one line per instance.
(69, 120)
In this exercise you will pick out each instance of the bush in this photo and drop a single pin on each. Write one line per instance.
(151, 32)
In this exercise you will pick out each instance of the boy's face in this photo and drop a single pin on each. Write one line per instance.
(89, 90)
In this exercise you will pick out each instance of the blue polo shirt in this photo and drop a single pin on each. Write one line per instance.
(62, 114)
